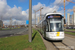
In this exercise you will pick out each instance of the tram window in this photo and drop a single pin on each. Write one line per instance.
(46, 27)
(52, 27)
(64, 21)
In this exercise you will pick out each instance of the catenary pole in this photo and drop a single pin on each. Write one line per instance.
(35, 17)
(30, 20)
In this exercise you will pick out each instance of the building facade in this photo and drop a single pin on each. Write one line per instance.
(74, 18)
(1, 23)
(68, 18)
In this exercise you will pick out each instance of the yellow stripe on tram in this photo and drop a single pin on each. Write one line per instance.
(58, 33)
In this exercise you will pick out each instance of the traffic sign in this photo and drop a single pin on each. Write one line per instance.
(27, 21)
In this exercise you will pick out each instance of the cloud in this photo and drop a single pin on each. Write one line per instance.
(6, 12)
(14, 22)
(6, 22)
(69, 10)
(60, 2)
(3, 7)
(18, 16)
(36, 7)
(55, 6)
(16, 13)
(46, 9)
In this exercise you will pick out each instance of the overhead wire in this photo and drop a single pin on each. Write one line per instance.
(66, 6)
(53, 4)
(59, 3)
(49, 2)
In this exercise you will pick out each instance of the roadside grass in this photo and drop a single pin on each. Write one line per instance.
(21, 42)
(70, 33)
(71, 29)
(8, 28)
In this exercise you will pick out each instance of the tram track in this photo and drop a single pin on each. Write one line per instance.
(67, 44)
(61, 46)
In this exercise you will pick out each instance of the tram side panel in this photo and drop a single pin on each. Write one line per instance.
(44, 23)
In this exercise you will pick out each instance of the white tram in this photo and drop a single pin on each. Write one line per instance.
(52, 26)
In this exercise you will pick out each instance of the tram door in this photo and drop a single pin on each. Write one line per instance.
(47, 27)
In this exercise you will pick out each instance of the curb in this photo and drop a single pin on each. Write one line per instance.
(42, 39)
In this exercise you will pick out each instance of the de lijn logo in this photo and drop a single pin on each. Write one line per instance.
(50, 16)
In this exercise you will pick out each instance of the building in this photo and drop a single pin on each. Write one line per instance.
(1, 24)
(74, 18)
(71, 18)
(68, 19)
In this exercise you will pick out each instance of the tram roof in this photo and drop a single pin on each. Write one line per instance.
(47, 15)
(50, 14)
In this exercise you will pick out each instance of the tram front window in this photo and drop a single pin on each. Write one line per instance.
(55, 25)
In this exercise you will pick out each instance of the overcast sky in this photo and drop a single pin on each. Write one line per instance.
(18, 10)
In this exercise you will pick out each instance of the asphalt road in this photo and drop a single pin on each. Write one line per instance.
(13, 32)
(67, 44)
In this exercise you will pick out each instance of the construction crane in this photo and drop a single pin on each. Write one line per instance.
(64, 8)
(35, 17)
(72, 9)
(40, 11)
(40, 14)
(70, 1)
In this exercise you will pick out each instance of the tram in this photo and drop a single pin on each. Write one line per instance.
(52, 26)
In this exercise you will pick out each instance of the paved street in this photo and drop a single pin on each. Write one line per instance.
(67, 44)
(5, 33)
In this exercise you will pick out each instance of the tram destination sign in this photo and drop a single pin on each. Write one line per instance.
(53, 17)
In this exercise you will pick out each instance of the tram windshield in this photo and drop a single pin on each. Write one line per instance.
(56, 25)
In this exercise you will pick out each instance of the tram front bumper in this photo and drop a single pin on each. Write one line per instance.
(55, 36)
(56, 39)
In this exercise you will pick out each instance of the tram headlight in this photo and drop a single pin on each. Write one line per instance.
(62, 33)
(52, 33)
